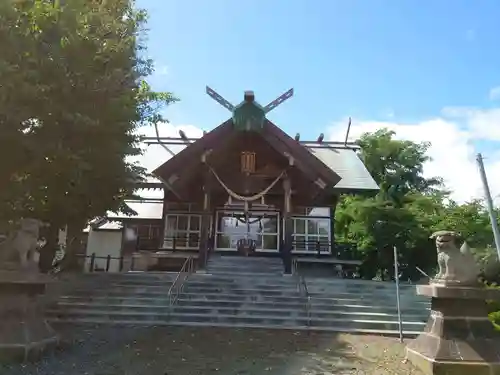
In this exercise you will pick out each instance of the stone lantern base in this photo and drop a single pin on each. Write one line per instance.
(458, 338)
(24, 332)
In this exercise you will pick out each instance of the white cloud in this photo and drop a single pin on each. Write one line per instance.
(156, 155)
(452, 147)
(495, 93)
(483, 124)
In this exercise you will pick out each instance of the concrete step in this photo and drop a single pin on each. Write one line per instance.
(238, 300)
(144, 276)
(227, 273)
(354, 282)
(243, 292)
(208, 285)
(242, 310)
(124, 322)
(380, 297)
(289, 297)
(300, 303)
(112, 293)
(241, 284)
(238, 296)
(245, 271)
(130, 300)
(136, 289)
(248, 278)
(338, 287)
(273, 319)
(237, 289)
(132, 282)
(292, 291)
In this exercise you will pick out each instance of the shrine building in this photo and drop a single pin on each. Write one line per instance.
(248, 187)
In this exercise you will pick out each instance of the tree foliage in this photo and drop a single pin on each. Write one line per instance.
(72, 97)
(408, 208)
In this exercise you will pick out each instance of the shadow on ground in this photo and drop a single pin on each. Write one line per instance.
(192, 351)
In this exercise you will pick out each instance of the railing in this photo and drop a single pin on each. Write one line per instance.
(178, 284)
(303, 290)
(340, 250)
(128, 262)
(295, 266)
(58, 267)
(181, 241)
(307, 301)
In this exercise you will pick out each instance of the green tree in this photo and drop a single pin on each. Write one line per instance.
(377, 225)
(396, 165)
(406, 211)
(86, 97)
(470, 220)
(400, 215)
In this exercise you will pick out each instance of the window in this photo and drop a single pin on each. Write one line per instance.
(184, 229)
(310, 228)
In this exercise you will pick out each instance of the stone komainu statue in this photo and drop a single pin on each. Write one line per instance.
(456, 266)
(19, 248)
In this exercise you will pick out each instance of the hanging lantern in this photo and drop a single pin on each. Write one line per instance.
(248, 162)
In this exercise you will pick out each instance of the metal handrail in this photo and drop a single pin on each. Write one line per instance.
(178, 284)
(303, 290)
(295, 272)
(307, 302)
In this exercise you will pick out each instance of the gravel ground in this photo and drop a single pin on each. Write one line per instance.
(193, 351)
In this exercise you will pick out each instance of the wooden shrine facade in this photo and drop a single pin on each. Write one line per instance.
(247, 179)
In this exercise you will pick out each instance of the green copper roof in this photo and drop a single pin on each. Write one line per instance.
(249, 115)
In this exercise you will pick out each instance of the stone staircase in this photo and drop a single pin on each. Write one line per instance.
(246, 292)
(121, 298)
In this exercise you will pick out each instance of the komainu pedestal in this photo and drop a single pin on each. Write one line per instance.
(458, 338)
(24, 332)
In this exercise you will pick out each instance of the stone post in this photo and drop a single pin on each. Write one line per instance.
(24, 332)
(458, 338)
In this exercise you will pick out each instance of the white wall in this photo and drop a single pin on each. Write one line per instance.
(104, 243)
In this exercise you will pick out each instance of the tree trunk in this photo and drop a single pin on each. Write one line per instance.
(73, 246)
(48, 252)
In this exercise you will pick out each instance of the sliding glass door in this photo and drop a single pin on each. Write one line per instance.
(262, 227)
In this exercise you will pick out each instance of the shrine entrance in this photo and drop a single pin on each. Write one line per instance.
(261, 227)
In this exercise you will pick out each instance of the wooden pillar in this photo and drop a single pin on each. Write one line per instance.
(204, 230)
(205, 220)
(163, 233)
(288, 226)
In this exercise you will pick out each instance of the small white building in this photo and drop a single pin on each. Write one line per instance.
(104, 240)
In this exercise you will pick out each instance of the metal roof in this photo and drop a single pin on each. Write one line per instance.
(106, 225)
(145, 210)
(347, 164)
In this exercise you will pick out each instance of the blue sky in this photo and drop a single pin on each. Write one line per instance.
(396, 61)
(344, 58)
